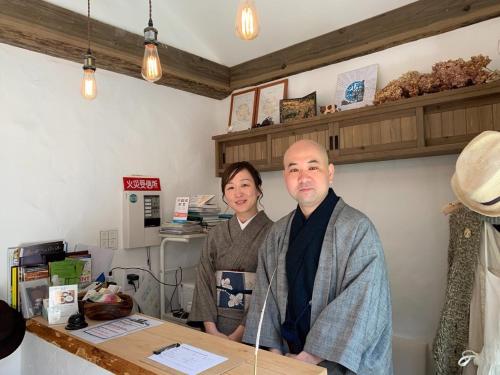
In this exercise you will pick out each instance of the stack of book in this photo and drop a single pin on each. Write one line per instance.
(181, 228)
(203, 209)
(33, 266)
(29, 262)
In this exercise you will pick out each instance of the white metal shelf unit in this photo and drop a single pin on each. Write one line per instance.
(166, 238)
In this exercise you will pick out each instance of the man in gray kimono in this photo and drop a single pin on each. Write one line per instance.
(329, 300)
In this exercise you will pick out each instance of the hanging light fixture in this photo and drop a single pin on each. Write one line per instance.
(88, 87)
(247, 20)
(151, 65)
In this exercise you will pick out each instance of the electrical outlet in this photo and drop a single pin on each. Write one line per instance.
(124, 284)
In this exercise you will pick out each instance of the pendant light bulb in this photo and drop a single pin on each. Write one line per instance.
(151, 65)
(247, 20)
(89, 87)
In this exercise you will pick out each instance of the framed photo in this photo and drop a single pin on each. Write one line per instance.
(242, 111)
(356, 88)
(296, 109)
(268, 100)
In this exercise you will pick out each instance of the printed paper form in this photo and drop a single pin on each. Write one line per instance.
(115, 328)
(188, 359)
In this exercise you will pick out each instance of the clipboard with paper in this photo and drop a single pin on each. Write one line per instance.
(187, 359)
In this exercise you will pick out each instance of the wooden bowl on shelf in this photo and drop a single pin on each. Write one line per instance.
(109, 311)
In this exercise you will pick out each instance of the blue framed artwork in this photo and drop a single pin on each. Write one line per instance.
(356, 88)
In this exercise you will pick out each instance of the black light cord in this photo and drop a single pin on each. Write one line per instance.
(177, 283)
(132, 282)
(148, 271)
(88, 22)
(148, 253)
(150, 14)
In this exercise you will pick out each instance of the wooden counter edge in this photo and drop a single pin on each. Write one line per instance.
(89, 352)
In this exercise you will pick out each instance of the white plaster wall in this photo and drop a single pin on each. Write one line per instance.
(12, 364)
(39, 357)
(62, 158)
(402, 197)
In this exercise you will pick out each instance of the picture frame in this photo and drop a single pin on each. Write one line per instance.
(63, 302)
(268, 100)
(242, 110)
(298, 108)
(356, 88)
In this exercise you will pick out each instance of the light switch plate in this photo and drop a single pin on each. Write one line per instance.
(113, 243)
(113, 234)
(108, 239)
(104, 243)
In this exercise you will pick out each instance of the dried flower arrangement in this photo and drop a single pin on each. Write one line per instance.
(446, 75)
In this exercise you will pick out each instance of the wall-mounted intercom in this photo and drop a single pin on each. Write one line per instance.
(141, 211)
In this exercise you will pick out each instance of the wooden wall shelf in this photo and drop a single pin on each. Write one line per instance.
(429, 125)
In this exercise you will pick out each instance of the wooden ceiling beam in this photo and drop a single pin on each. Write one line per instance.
(46, 28)
(417, 20)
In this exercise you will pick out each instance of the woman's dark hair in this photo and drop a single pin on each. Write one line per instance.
(233, 169)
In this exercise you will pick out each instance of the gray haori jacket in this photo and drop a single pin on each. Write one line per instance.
(351, 308)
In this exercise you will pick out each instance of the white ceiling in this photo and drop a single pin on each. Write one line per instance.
(206, 27)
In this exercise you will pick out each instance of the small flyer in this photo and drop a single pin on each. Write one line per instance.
(181, 209)
(63, 302)
(116, 328)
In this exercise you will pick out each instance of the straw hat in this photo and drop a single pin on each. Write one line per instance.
(12, 328)
(476, 181)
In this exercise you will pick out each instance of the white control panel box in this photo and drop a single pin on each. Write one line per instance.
(141, 212)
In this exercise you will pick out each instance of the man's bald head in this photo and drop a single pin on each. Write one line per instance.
(307, 174)
(305, 145)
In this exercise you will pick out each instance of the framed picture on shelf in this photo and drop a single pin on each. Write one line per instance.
(242, 111)
(299, 108)
(268, 100)
(356, 88)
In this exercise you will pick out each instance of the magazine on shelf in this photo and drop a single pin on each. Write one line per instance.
(200, 200)
(28, 261)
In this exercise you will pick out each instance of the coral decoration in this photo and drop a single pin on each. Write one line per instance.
(446, 75)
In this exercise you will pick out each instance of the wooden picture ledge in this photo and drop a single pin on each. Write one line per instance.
(428, 125)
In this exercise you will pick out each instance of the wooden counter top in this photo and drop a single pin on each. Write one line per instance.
(127, 354)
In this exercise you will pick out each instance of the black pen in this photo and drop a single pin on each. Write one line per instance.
(171, 346)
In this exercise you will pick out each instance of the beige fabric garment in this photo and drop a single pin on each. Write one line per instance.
(227, 248)
(476, 321)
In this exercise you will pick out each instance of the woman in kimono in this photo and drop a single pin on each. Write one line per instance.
(226, 273)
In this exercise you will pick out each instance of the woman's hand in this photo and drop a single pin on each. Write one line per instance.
(211, 329)
(237, 335)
